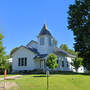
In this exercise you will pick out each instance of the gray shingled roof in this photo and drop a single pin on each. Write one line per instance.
(58, 50)
(31, 42)
(40, 56)
(45, 31)
(31, 49)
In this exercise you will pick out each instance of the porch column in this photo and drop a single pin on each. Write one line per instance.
(44, 65)
(40, 64)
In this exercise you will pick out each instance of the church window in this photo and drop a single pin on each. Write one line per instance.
(22, 61)
(42, 41)
(19, 62)
(62, 63)
(25, 61)
(57, 61)
(67, 64)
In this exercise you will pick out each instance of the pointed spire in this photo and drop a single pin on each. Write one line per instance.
(45, 31)
(45, 27)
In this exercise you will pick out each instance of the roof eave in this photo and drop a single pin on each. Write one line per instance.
(25, 48)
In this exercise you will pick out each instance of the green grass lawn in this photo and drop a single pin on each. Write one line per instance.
(56, 82)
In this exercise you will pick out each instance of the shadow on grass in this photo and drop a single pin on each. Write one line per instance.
(39, 76)
(63, 73)
(69, 73)
(54, 73)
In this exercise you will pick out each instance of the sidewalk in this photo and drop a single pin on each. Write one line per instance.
(11, 77)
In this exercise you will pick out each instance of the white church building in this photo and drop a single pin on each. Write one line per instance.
(33, 56)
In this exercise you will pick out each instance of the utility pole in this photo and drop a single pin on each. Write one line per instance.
(5, 73)
(47, 72)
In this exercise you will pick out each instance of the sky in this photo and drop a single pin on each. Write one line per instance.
(22, 20)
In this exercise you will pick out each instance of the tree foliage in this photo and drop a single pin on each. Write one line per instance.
(2, 54)
(79, 23)
(77, 62)
(52, 61)
(4, 64)
(65, 48)
(13, 50)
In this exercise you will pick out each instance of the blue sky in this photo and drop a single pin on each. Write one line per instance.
(22, 20)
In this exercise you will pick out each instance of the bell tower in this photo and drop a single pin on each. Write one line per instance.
(45, 40)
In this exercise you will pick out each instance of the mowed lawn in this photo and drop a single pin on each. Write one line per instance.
(56, 82)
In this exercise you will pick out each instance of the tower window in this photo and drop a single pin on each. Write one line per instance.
(42, 41)
(49, 40)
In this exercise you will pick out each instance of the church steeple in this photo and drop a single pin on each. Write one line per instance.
(44, 31)
(45, 27)
(45, 40)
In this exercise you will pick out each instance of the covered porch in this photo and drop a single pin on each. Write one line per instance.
(41, 61)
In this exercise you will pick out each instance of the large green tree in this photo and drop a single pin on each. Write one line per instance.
(52, 61)
(79, 23)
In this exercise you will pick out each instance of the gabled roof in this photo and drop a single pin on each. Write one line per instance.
(31, 42)
(58, 50)
(31, 49)
(45, 31)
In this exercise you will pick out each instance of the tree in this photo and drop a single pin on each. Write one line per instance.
(52, 61)
(8, 65)
(4, 64)
(65, 48)
(2, 54)
(77, 62)
(79, 23)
